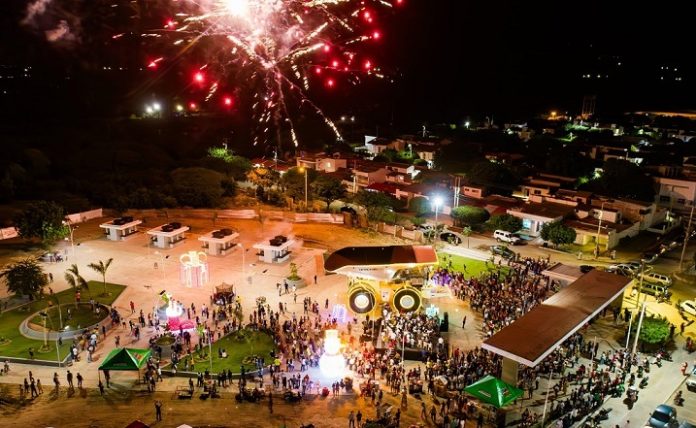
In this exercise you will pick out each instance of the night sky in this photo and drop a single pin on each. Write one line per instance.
(454, 59)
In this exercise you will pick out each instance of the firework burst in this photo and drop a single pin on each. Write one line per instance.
(278, 48)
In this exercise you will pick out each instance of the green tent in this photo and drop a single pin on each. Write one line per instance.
(125, 359)
(494, 391)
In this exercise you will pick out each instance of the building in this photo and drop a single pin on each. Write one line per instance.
(276, 251)
(675, 192)
(322, 162)
(120, 228)
(219, 242)
(367, 173)
(168, 235)
(535, 215)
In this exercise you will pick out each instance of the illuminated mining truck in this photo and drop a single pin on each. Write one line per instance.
(387, 274)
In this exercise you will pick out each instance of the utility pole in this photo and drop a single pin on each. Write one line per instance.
(686, 239)
(640, 324)
(640, 283)
(599, 228)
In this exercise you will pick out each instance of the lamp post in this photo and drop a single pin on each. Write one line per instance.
(599, 228)
(304, 169)
(437, 201)
(72, 231)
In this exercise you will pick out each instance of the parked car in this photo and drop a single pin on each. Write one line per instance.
(636, 266)
(656, 278)
(664, 416)
(620, 271)
(689, 306)
(505, 236)
(654, 290)
(502, 251)
(686, 424)
(691, 381)
(451, 238)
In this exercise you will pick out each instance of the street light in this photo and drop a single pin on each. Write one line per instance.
(437, 201)
(599, 228)
(303, 169)
(71, 230)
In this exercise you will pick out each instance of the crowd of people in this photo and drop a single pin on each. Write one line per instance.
(502, 295)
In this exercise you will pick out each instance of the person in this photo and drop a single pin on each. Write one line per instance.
(158, 410)
(464, 322)
(351, 419)
(270, 402)
(56, 382)
(38, 386)
(358, 418)
(101, 387)
(684, 366)
(70, 379)
(132, 306)
(315, 280)
(79, 380)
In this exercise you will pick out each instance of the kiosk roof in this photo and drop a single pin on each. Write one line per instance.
(381, 256)
(535, 335)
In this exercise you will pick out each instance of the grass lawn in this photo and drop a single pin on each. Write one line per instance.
(474, 268)
(255, 343)
(13, 344)
(80, 317)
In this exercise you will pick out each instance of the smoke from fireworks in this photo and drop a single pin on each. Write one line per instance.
(282, 47)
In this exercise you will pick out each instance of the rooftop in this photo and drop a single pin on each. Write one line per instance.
(534, 336)
(380, 256)
(545, 209)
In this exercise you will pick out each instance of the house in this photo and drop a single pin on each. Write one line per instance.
(543, 184)
(588, 230)
(535, 215)
(647, 214)
(366, 173)
(322, 162)
(428, 191)
(675, 192)
(474, 191)
(579, 196)
(401, 173)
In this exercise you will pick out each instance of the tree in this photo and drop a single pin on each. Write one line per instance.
(379, 206)
(101, 268)
(505, 222)
(329, 189)
(494, 175)
(25, 278)
(420, 205)
(558, 233)
(468, 215)
(43, 220)
(76, 281)
(198, 187)
(623, 179)
(653, 331)
(294, 182)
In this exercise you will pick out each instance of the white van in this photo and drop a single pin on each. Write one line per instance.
(505, 236)
(657, 278)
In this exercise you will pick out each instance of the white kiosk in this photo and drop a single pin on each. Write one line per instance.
(120, 228)
(219, 242)
(167, 235)
(276, 251)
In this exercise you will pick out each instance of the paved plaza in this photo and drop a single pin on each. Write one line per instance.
(147, 271)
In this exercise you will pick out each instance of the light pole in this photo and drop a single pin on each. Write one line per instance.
(437, 201)
(72, 231)
(686, 240)
(599, 228)
(304, 169)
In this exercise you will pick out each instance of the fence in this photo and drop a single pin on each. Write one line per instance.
(11, 232)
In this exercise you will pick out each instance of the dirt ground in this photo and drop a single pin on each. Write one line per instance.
(118, 409)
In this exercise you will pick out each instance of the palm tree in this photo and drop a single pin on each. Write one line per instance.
(24, 278)
(76, 281)
(101, 268)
